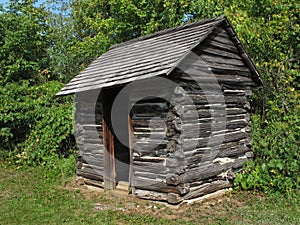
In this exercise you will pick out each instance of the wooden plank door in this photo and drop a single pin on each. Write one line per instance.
(109, 158)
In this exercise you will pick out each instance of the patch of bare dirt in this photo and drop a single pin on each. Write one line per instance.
(220, 206)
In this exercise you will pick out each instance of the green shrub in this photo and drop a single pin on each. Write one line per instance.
(36, 126)
(276, 146)
(52, 136)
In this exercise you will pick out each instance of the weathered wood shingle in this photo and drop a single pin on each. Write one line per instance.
(149, 56)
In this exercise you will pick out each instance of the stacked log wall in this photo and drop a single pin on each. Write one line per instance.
(89, 134)
(210, 165)
(202, 164)
(149, 147)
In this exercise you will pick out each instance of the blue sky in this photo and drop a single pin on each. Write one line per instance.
(6, 1)
(3, 1)
(38, 2)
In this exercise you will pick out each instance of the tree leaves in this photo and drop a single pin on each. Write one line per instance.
(24, 41)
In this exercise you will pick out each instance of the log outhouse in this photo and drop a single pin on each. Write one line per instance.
(166, 115)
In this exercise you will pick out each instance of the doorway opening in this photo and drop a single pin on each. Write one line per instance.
(116, 152)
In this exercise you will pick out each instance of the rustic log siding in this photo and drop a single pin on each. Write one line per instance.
(149, 145)
(199, 165)
(89, 134)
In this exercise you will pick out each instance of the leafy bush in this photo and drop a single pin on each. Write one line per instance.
(36, 127)
(271, 33)
(52, 136)
(276, 147)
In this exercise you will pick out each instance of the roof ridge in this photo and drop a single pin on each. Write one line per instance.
(169, 30)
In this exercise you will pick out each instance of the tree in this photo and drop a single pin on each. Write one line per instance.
(24, 41)
(33, 123)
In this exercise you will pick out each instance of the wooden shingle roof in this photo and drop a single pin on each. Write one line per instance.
(149, 56)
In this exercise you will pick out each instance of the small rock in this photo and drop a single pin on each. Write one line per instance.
(79, 181)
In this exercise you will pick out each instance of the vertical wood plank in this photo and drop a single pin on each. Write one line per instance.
(109, 162)
(130, 136)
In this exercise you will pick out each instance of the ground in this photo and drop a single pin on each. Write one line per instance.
(28, 197)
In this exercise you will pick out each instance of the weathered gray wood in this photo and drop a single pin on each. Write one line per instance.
(221, 32)
(162, 51)
(174, 198)
(172, 146)
(150, 160)
(219, 52)
(148, 141)
(85, 119)
(91, 127)
(150, 195)
(208, 154)
(142, 122)
(224, 150)
(154, 175)
(147, 115)
(224, 40)
(149, 167)
(81, 140)
(188, 129)
(150, 151)
(212, 99)
(149, 130)
(90, 173)
(201, 172)
(223, 78)
(136, 63)
(91, 159)
(89, 162)
(142, 134)
(218, 45)
(243, 92)
(225, 81)
(150, 107)
(189, 144)
(90, 135)
(186, 112)
(83, 166)
(91, 147)
(159, 186)
(219, 59)
(163, 35)
(95, 183)
(206, 189)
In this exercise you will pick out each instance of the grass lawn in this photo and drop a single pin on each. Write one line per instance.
(26, 197)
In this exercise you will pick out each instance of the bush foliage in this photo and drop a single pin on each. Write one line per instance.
(35, 125)
(40, 49)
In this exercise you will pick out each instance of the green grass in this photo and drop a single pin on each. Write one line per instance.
(28, 197)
